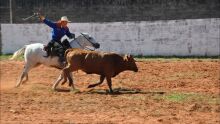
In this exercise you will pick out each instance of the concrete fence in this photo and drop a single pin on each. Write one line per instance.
(190, 37)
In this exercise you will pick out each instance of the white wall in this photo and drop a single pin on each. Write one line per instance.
(197, 37)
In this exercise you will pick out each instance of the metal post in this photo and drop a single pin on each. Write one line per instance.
(10, 11)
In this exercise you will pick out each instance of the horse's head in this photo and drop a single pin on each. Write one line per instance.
(85, 40)
(92, 41)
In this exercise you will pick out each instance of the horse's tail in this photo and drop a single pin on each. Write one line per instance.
(18, 53)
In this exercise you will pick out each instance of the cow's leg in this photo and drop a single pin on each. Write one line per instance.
(25, 71)
(65, 74)
(69, 76)
(109, 81)
(102, 77)
(55, 84)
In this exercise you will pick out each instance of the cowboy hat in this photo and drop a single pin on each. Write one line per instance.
(64, 18)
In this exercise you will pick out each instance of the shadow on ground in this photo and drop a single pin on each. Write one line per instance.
(116, 91)
(119, 91)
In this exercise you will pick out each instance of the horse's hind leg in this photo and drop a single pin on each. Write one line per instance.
(26, 77)
(24, 74)
(20, 79)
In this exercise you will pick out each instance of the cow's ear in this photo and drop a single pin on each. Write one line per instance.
(126, 57)
(129, 56)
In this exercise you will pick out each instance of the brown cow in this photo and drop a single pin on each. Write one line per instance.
(107, 65)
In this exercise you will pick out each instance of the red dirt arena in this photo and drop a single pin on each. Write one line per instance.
(164, 91)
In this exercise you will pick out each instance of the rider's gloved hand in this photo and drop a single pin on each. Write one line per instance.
(40, 16)
(72, 36)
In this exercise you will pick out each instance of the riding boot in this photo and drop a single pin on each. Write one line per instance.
(48, 53)
(61, 57)
(62, 60)
(66, 44)
(48, 49)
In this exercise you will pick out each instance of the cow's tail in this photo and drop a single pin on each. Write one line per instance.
(18, 53)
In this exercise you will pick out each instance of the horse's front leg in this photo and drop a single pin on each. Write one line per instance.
(55, 84)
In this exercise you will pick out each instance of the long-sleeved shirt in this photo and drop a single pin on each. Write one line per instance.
(57, 32)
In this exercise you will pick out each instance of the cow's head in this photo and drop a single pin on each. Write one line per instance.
(131, 65)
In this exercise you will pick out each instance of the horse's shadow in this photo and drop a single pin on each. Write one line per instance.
(116, 91)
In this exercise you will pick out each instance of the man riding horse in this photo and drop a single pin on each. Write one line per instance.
(59, 30)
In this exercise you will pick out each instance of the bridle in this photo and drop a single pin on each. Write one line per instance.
(89, 41)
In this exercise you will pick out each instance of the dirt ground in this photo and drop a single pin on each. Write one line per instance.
(163, 91)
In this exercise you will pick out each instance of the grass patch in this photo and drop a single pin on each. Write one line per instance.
(5, 57)
(189, 97)
(8, 56)
(177, 97)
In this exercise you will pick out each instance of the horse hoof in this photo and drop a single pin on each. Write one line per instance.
(16, 86)
(53, 89)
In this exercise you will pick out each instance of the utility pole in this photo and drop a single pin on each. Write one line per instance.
(10, 11)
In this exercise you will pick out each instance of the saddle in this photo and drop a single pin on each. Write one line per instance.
(57, 49)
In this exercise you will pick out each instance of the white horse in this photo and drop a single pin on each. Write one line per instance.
(34, 54)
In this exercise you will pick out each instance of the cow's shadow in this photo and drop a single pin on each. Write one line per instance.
(120, 91)
(62, 90)
(116, 91)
